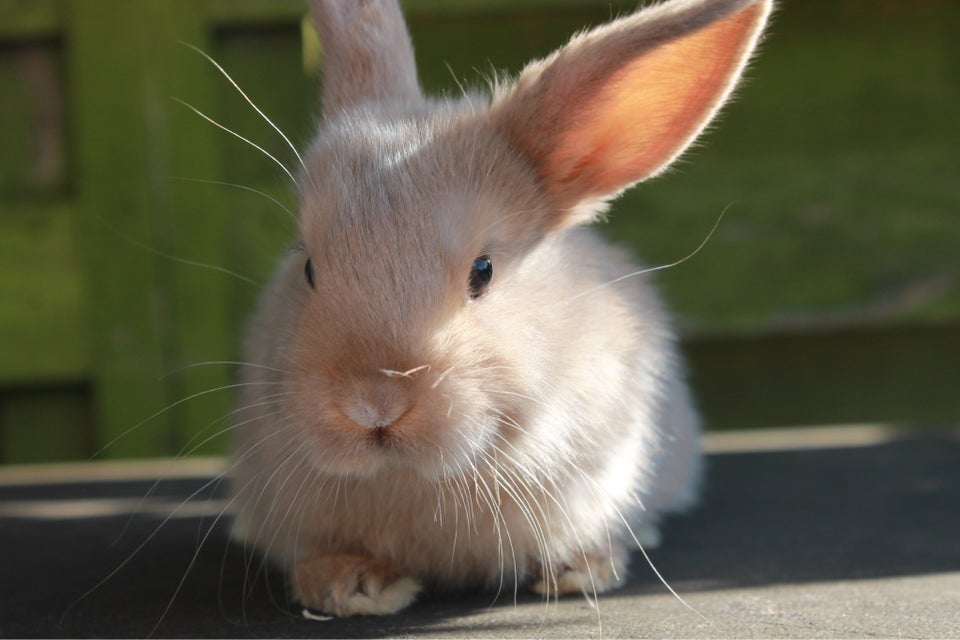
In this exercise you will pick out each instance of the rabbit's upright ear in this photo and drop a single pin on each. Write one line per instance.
(368, 56)
(618, 104)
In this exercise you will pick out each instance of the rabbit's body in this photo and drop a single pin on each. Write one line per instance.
(563, 493)
(451, 382)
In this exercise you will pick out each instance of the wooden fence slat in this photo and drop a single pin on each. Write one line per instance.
(41, 290)
(32, 19)
(120, 130)
(194, 225)
(45, 425)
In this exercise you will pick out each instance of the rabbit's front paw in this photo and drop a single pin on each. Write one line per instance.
(590, 574)
(348, 585)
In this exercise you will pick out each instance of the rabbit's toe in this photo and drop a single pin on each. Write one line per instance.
(346, 585)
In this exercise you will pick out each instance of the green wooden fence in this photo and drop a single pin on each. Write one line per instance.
(831, 291)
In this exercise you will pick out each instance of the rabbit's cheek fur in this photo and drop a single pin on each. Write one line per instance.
(361, 406)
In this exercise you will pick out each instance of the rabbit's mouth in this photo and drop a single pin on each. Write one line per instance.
(380, 437)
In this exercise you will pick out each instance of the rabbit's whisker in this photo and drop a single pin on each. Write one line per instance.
(237, 135)
(661, 267)
(247, 98)
(390, 373)
(243, 187)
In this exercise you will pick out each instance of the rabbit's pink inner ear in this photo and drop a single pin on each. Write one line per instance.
(649, 111)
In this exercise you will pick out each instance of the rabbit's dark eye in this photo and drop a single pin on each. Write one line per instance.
(308, 273)
(480, 275)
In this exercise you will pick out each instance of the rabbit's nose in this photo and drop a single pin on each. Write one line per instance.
(376, 403)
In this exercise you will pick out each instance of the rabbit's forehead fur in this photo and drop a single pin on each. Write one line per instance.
(408, 203)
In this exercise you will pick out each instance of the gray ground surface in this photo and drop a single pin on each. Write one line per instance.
(831, 533)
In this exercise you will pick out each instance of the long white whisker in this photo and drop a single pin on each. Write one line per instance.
(491, 497)
(211, 267)
(517, 466)
(304, 453)
(661, 267)
(243, 187)
(521, 492)
(237, 135)
(646, 557)
(237, 363)
(436, 383)
(514, 394)
(141, 546)
(184, 452)
(629, 529)
(190, 448)
(185, 261)
(171, 406)
(193, 560)
(390, 373)
(247, 98)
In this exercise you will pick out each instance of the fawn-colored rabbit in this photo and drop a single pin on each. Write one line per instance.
(449, 382)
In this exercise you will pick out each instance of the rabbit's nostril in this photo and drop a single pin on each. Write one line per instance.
(371, 416)
(376, 403)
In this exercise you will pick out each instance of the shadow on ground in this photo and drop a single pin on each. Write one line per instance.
(770, 518)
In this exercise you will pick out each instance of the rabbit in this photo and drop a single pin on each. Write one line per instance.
(449, 382)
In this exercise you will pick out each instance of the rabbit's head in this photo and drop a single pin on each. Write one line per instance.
(435, 302)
